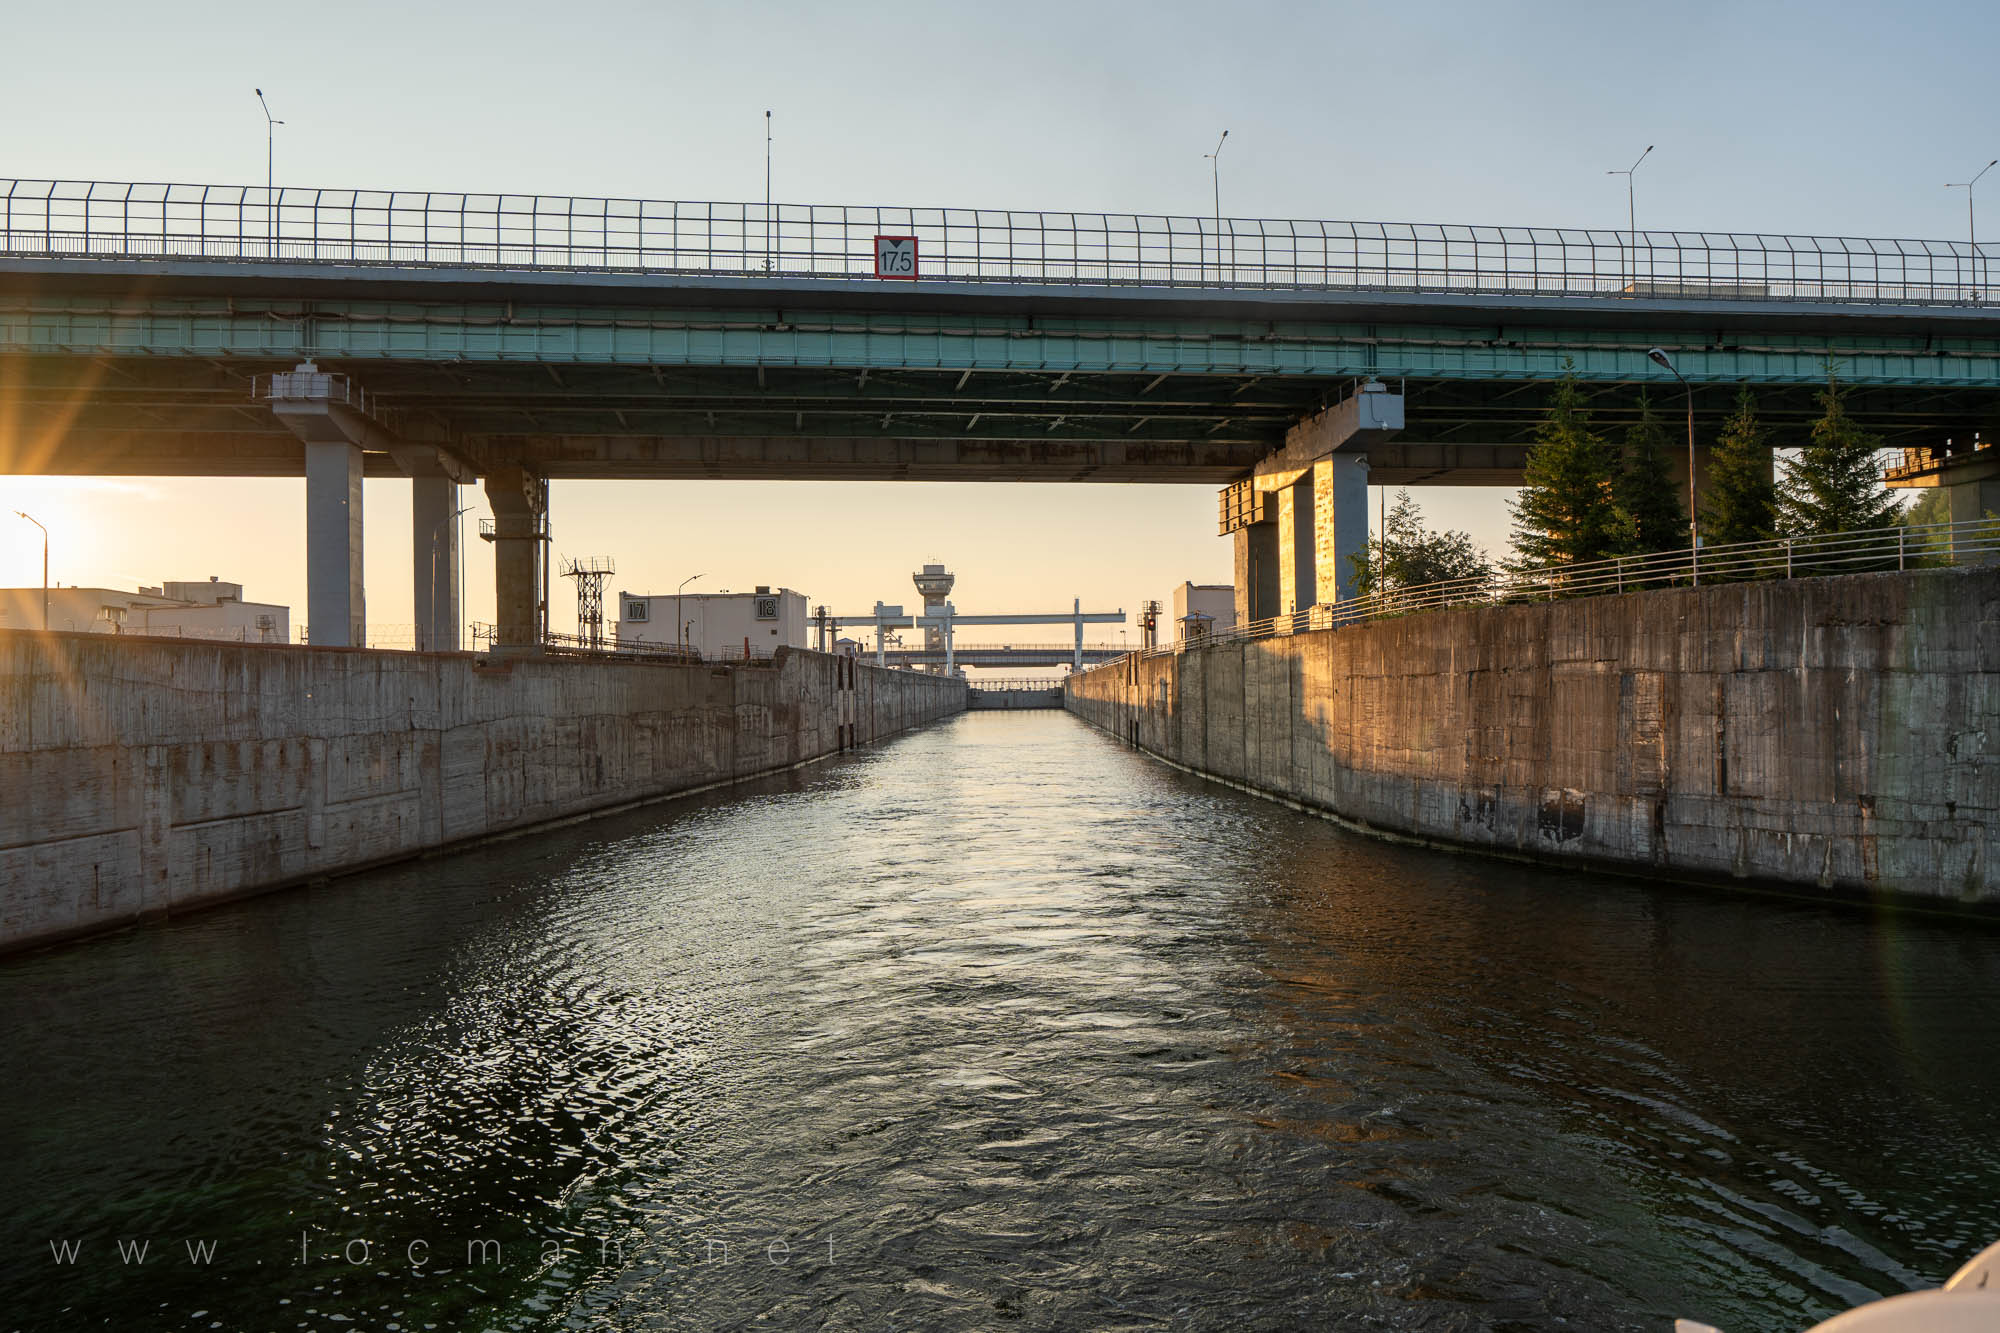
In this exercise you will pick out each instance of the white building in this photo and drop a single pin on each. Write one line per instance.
(720, 625)
(1203, 608)
(210, 609)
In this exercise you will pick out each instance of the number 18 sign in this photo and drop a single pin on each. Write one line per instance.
(896, 257)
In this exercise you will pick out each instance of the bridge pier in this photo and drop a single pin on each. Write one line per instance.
(520, 507)
(1302, 516)
(1256, 561)
(337, 420)
(320, 409)
(336, 601)
(1974, 498)
(434, 562)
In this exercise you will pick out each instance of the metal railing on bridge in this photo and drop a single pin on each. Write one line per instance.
(1875, 550)
(119, 220)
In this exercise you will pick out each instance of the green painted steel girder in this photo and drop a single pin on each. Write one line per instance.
(361, 331)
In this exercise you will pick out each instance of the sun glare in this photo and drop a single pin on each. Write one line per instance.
(66, 507)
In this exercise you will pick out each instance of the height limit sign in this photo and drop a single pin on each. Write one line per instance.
(896, 257)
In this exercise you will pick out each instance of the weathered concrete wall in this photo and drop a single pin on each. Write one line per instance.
(1840, 734)
(139, 776)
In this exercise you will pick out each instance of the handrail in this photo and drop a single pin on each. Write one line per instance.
(416, 229)
(1870, 550)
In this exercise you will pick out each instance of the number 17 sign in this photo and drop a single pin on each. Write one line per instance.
(896, 257)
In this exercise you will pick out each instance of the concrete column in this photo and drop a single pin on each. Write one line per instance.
(434, 560)
(1076, 661)
(1298, 565)
(1340, 522)
(1970, 502)
(336, 610)
(516, 497)
(1973, 500)
(1256, 558)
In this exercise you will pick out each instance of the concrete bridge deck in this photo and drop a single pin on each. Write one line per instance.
(152, 329)
(564, 336)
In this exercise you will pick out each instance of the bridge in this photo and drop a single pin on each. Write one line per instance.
(1000, 656)
(515, 339)
(1007, 695)
(940, 621)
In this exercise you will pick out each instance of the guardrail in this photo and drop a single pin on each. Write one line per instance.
(125, 220)
(1868, 551)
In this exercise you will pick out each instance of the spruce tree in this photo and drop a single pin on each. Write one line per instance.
(1649, 503)
(1742, 502)
(1835, 484)
(1565, 513)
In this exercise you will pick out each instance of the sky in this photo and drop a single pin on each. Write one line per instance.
(1825, 118)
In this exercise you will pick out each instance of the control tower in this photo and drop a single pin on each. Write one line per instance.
(934, 582)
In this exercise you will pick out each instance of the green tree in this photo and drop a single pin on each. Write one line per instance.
(1742, 501)
(1835, 484)
(1929, 548)
(1933, 506)
(1566, 512)
(1406, 553)
(1649, 503)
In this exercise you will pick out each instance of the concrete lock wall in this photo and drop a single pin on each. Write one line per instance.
(1840, 734)
(139, 776)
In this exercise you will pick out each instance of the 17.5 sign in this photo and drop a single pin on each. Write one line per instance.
(896, 257)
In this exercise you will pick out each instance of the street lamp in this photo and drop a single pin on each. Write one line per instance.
(45, 566)
(270, 174)
(1215, 179)
(1971, 225)
(1631, 213)
(680, 629)
(1659, 358)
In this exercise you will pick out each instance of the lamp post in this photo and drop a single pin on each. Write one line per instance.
(1971, 223)
(1631, 211)
(767, 193)
(1659, 358)
(1215, 180)
(680, 628)
(45, 566)
(270, 175)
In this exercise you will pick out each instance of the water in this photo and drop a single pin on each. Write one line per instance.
(998, 1023)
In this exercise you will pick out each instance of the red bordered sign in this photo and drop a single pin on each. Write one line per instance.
(896, 257)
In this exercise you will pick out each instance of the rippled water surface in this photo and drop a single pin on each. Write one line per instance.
(997, 1024)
